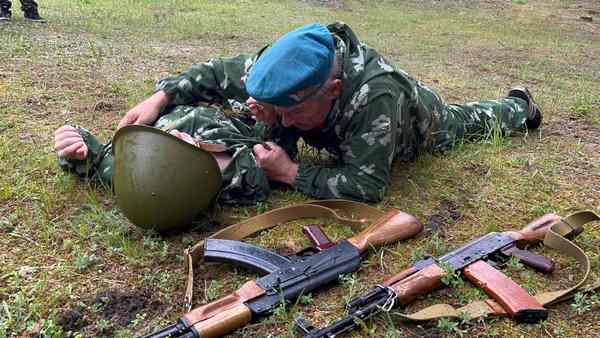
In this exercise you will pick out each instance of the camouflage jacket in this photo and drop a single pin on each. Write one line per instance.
(379, 116)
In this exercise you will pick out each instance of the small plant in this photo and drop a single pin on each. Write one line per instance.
(51, 329)
(97, 307)
(368, 332)
(392, 333)
(391, 329)
(6, 224)
(451, 277)
(104, 325)
(151, 241)
(349, 281)
(187, 241)
(306, 299)
(281, 310)
(164, 250)
(416, 254)
(212, 291)
(163, 280)
(583, 303)
(261, 207)
(514, 263)
(84, 262)
(559, 332)
(494, 135)
(467, 294)
(436, 245)
(123, 333)
(465, 318)
(139, 319)
(584, 109)
(448, 326)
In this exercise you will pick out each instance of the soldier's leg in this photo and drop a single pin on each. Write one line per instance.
(30, 11)
(5, 12)
(452, 122)
(29, 6)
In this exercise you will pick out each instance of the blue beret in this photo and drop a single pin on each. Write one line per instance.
(298, 60)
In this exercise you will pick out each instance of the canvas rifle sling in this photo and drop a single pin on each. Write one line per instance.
(350, 213)
(554, 239)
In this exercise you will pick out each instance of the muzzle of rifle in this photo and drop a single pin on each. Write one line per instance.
(177, 330)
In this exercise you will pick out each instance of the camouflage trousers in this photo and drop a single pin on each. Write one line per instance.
(438, 129)
(439, 126)
(26, 5)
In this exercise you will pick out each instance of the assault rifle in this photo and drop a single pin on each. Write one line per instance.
(470, 259)
(287, 278)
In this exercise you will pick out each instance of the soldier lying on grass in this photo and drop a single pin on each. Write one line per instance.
(319, 84)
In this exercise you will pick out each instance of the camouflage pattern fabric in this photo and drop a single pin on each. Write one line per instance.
(26, 5)
(383, 114)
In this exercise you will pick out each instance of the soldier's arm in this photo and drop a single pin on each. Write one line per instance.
(363, 172)
(214, 81)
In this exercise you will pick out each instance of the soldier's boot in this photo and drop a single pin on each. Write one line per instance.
(33, 15)
(535, 114)
(5, 14)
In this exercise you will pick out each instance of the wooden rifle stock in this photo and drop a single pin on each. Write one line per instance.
(535, 230)
(393, 226)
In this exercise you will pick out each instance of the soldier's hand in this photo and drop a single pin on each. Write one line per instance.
(69, 144)
(262, 112)
(146, 112)
(276, 163)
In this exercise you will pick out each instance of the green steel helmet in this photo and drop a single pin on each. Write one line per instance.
(160, 181)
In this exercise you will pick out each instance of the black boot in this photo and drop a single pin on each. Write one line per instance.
(4, 14)
(33, 15)
(535, 114)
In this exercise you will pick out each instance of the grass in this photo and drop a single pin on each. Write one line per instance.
(62, 242)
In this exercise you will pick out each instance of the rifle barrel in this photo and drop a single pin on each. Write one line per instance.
(171, 331)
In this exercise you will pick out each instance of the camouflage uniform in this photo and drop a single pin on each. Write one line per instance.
(382, 114)
(28, 6)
